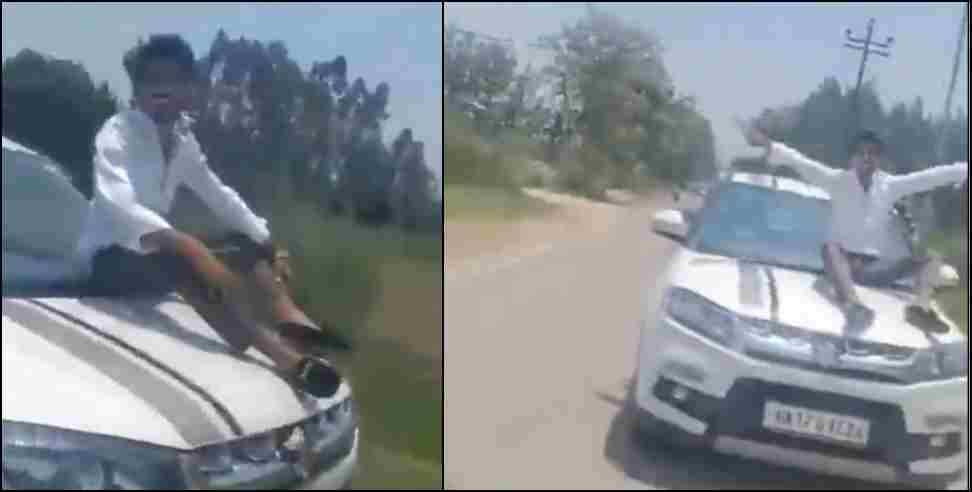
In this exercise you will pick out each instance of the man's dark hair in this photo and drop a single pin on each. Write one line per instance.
(866, 137)
(159, 47)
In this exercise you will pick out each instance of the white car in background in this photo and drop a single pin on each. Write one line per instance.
(137, 393)
(748, 354)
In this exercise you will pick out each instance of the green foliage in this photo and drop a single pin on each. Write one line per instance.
(268, 129)
(477, 70)
(617, 122)
(53, 106)
(469, 160)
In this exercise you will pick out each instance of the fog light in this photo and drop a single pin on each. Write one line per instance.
(938, 441)
(680, 393)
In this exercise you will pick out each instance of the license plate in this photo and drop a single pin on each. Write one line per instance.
(817, 425)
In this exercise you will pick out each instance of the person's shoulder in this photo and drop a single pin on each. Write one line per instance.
(122, 121)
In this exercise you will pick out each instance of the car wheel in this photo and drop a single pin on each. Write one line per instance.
(651, 431)
(932, 482)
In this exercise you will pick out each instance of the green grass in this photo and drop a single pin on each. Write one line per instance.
(382, 290)
(491, 204)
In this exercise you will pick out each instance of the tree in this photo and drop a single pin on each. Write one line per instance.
(270, 131)
(479, 75)
(615, 92)
(53, 106)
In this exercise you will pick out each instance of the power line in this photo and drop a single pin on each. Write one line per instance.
(477, 35)
(865, 46)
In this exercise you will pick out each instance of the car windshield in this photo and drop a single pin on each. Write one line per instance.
(763, 225)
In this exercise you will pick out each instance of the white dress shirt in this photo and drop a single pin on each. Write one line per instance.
(134, 189)
(861, 220)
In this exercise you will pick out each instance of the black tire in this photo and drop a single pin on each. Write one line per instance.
(932, 482)
(651, 431)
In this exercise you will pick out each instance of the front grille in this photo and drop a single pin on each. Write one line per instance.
(854, 374)
(742, 417)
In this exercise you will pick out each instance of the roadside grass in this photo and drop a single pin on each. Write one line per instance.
(474, 203)
(954, 247)
(382, 290)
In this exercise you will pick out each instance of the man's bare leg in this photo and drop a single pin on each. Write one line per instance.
(841, 275)
(206, 275)
(839, 272)
(925, 288)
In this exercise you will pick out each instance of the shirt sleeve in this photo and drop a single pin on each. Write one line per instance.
(814, 172)
(223, 200)
(128, 220)
(928, 180)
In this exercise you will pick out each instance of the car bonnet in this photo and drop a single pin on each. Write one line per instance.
(145, 370)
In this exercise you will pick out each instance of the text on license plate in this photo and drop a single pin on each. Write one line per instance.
(815, 424)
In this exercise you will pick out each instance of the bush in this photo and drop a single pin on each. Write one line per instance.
(586, 174)
(469, 161)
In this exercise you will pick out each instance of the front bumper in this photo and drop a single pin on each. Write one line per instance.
(722, 395)
(338, 476)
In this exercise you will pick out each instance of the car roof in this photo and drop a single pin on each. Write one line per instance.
(779, 183)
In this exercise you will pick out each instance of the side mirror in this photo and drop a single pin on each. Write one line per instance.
(948, 278)
(671, 224)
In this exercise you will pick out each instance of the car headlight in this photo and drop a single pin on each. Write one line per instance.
(702, 316)
(946, 362)
(38, 457)
(925, 367)
(44, 458)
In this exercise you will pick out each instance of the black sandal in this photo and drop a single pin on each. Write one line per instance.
(316, 377)
(859, 316)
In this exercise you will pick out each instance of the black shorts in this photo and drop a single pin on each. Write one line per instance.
(118, 271)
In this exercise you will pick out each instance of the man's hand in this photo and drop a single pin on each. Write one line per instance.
(207, 271)
(754, 136)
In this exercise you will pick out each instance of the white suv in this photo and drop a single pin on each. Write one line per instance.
(747, 351)
(136, 392)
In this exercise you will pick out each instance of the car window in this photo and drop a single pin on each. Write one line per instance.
(746, 221)
(43, 216)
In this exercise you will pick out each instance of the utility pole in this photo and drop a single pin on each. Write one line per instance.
(865, 46)
(957, 64)
(930, 216)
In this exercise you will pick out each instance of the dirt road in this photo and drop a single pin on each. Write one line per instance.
(540, 341)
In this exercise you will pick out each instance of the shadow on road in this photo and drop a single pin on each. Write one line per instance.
(657, 465)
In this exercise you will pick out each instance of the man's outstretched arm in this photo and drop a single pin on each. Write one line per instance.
(779, 155)
(928, 180)
(226, 203)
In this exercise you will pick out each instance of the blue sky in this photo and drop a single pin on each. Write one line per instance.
(738, 58)
(397, 43)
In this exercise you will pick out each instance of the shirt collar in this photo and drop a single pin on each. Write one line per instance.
(144, 124)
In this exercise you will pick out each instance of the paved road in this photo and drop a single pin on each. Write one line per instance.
(539, 352)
